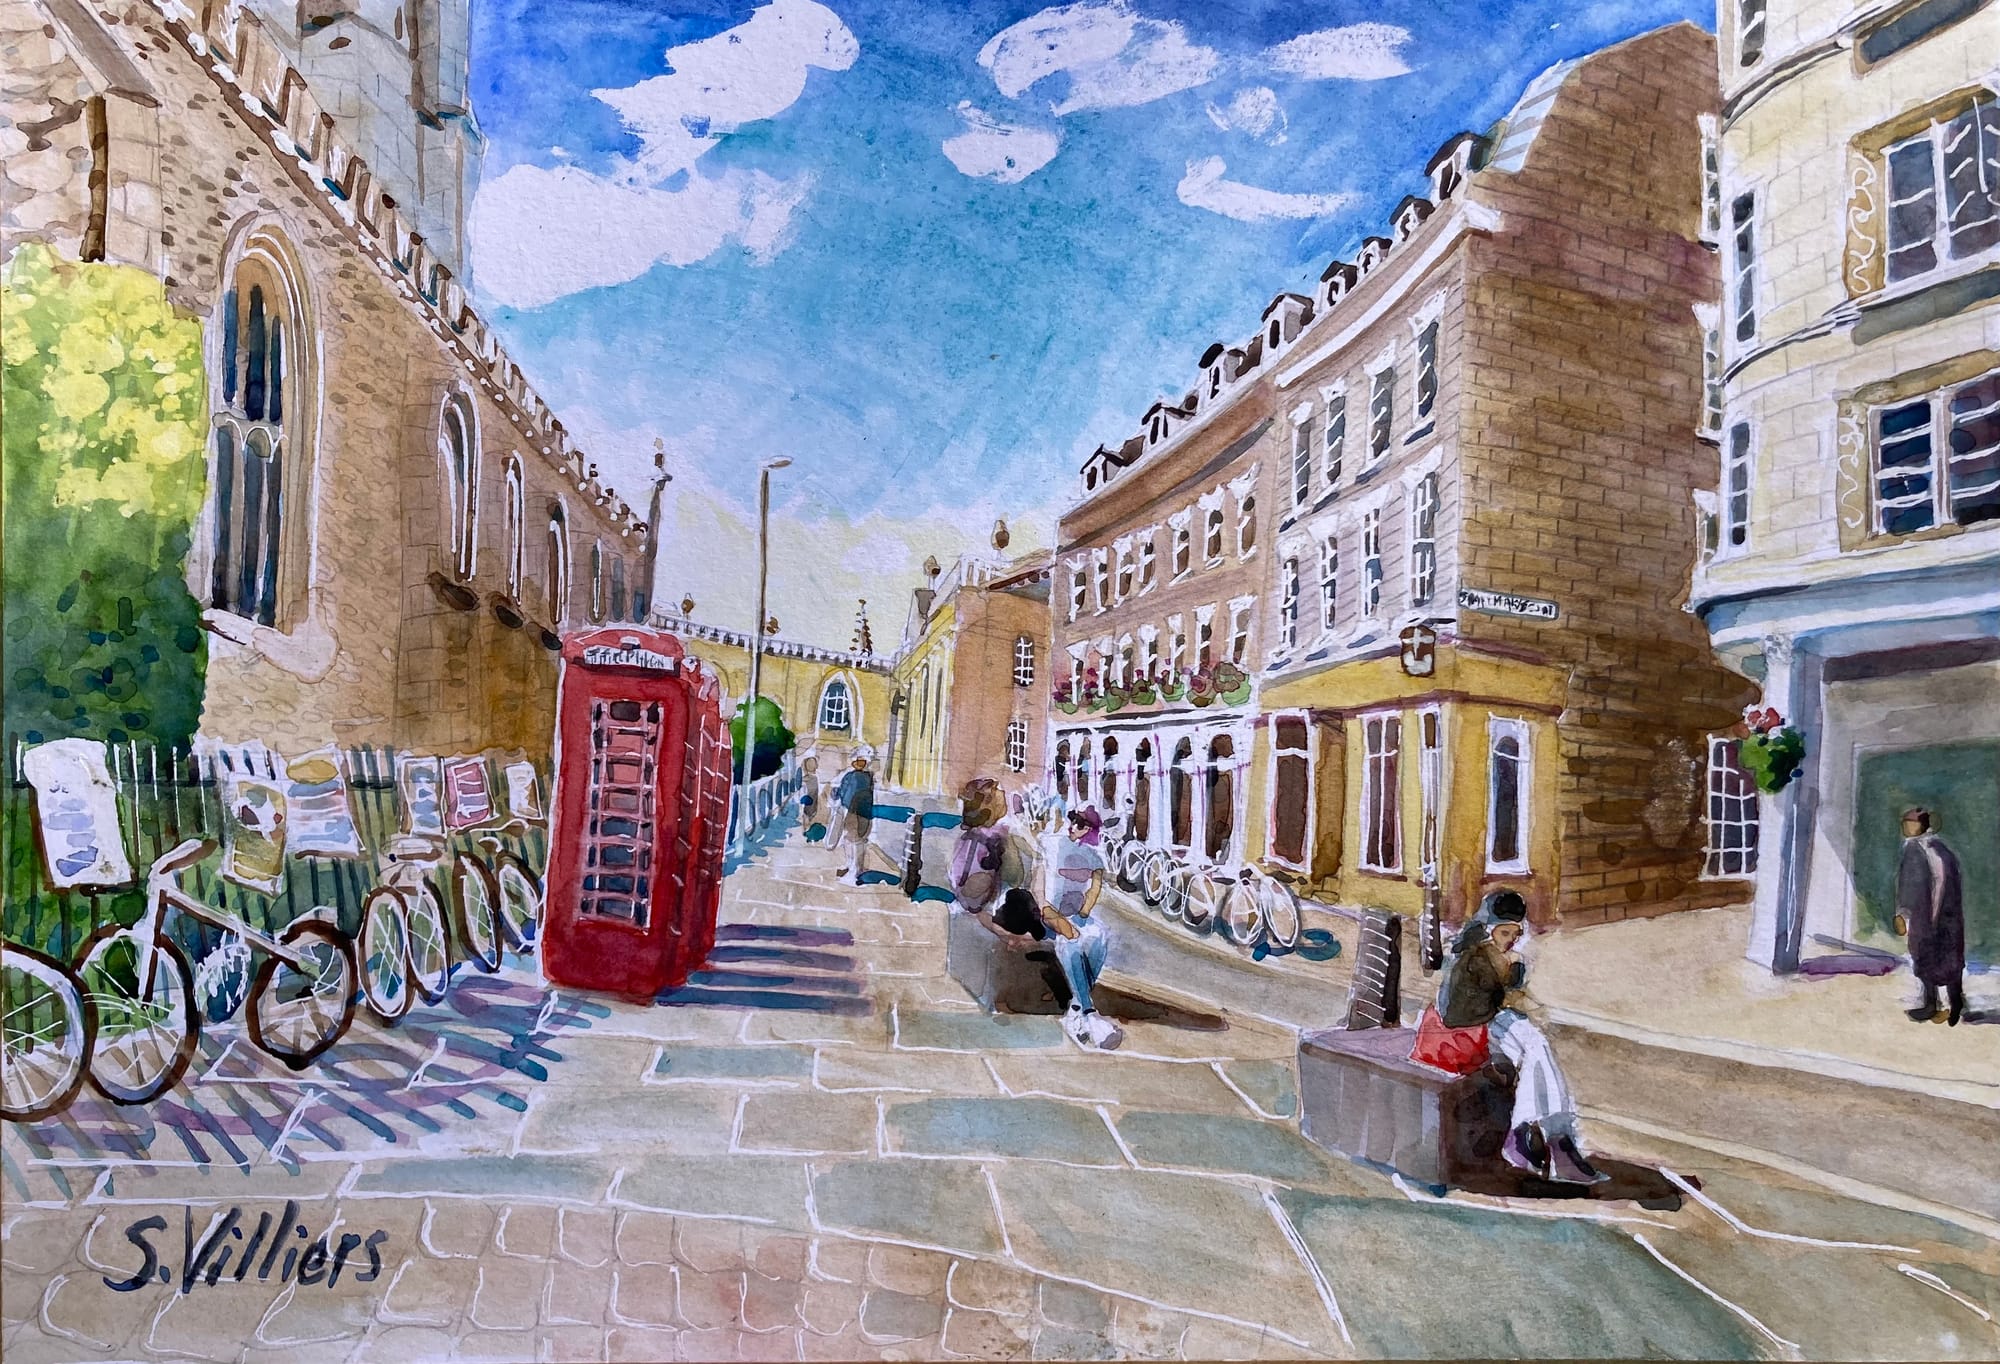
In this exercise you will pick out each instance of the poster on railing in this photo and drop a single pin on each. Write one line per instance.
(417, 780)
(316, 800)
(524, 798)
(76, 808)
(468, 800)
(253, 831)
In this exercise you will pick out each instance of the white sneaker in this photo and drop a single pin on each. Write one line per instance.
(1075, 1023)
(1103, 1032)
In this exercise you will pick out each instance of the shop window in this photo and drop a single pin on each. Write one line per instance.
(1142, 791)
(1291, 789)
(1732, 812)
(1507, 797)
(1381, 793)
(1062, 769)
(1107, 778)
(1180, 796)
(1430, 782)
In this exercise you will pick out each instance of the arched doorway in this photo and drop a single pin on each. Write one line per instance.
(1221, 790)
(1062, 769)
(1108, 778)
(1142, 791)
(1180, 796)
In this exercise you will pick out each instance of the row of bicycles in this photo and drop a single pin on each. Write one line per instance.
(1248, 905)
(127, 1017)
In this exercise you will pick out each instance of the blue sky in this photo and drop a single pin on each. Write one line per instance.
(809, 240)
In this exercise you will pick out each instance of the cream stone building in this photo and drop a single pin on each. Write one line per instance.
(1852, 558)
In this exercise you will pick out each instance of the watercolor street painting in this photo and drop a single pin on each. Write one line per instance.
(871, 679)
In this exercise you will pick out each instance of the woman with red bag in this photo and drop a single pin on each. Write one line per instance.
(1474, 1013)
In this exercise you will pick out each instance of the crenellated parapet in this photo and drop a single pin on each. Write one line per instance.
(230, 42)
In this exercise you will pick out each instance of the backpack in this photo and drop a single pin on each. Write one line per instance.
(975, 868)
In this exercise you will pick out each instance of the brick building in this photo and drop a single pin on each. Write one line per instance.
(1853, 553)
(1159, 569)
(397, 526)
(1478, 667)
(971, 690)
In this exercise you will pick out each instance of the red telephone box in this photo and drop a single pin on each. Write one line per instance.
(641, 800)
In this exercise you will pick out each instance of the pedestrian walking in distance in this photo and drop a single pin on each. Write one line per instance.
(1930, 910)
(856, 793)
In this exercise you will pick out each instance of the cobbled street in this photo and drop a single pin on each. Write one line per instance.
(821, 1149)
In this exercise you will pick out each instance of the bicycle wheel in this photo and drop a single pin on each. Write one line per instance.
(144, 1043)
(478, 899)
(298, 1011)
(1174, 901)
(1243, 913)
(382, 952)
(46, 1027)
(1281, 913)
(1153, 877)
(520, 900)
(1203, 899)
(430, 942)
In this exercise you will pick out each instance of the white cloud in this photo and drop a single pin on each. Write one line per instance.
(1204, 187)
(1254, 112)
(542, 234)
(754, 71)
(1113, 57)
(992, 150)
(1357, 52)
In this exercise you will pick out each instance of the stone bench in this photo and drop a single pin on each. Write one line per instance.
(1003, 971)
(1363, 1097)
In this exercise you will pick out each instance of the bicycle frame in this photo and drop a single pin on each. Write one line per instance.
(163, 889)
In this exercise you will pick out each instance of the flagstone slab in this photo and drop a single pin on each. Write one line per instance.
(853, 1070)
(1431, 1280)
(807, 1121)
(1273, 1086)
(767, 1189)
(1117, 1079)
(569, 1179)
(1237, 1145)
(1185, 1243)
(679, 1063)
(1027, 1129)
(941, 1203)
(668, 1119)
(938, 1030)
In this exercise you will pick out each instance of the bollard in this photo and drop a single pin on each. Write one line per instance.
(1374, 1000)
(913, 855)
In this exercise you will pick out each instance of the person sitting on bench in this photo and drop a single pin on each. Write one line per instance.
(1478, 995)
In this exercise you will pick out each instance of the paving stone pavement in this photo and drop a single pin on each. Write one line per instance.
(526, 1175)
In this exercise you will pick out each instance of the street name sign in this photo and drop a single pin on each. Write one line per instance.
(1506, 604)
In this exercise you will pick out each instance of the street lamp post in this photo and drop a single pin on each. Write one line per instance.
(757, 628)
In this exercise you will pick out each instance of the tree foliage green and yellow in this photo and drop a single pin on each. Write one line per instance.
(105, 431)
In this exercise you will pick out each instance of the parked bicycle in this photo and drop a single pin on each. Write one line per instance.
(1261, 909)
(404, 948)
(518, 889)
(46, 1023)
(141, 987)
(1251, 906)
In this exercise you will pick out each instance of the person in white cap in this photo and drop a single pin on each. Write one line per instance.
(856, 794)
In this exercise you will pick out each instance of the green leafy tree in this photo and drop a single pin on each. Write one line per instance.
(105, 434)
(774, 740)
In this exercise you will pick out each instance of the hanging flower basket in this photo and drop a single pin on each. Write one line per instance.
(1172, 689)
(1066, 706)
(1115, 699)
(1144, 694)
(1772, 752)
(1201, 687)
(1232, 684)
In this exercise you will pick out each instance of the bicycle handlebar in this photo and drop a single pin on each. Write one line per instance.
(178, 858)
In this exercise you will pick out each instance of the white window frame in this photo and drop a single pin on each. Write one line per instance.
(1743, 266)
(1100, 573)
(1177, 644)
(1371, 563)
(1246, 523)
(1377, 752)
(1381, 373)
(1943, 254)
(1709, 318)
(1126, 568)
(1079, 587)
(516, 525)
(1500, 727)
(1017, 745)
(1239, 630)
(1427, 370)
(1181, 528)
(1732, 805)
(1288, 599)
(1204, 636)
(1940, 429)
(828, 695)
(1423, 539)
(1750, 32)
(1149, 651)
(1311, 754)
(1329, 581)
(1302, 461)
(1711, 179)
(1122, 662)
(1149, 577)
(1333, 434)
(463, 489)
(1739, 455)
(1079, 655)
(1024, 661)
(1431, 788)
(559, 563)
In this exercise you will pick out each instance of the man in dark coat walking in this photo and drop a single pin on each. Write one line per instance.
(1931, 910)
